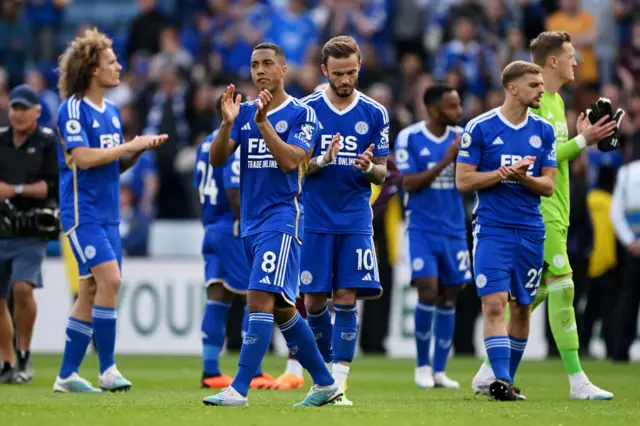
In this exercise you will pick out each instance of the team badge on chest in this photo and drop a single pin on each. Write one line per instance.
(281, 126)
(535, 141)
(362, 128)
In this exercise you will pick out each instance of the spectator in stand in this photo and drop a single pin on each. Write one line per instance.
(171, 54)
(145, 30)
(629, 59)
(515, 49)
(236, 27)
(477, 63)
(604, 288)
(293, 29)
(364, 20)
(606, 45)
(15, 37)
(134, 226)
(45, 17)
(498, 21)
(4, 98)
(471, 9)
(49, 100)
(168, 113)
(584, 33)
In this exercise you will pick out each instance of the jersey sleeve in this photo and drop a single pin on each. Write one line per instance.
(381, 137)
(305, 130)
(231, 173)
(70, 126)
(405, 160)
(549, 146)
(471, 145)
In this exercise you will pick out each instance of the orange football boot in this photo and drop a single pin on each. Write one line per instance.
(288, 381)
(216, 382)
(265, 381)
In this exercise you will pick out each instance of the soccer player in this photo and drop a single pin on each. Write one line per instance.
(226, 265)
(276, 133)
(93, 154)
(554, 52)
(507, 156)
(338, 257)
(426, 153)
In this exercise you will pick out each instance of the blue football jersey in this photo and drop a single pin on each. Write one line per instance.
(211, 183)
(437, 208)
(337, 197)
(92, 195)
(269, 197)
(490, 141)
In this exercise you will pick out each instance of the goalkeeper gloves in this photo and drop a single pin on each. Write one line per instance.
(599, 109)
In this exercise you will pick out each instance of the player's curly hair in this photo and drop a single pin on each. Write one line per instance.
(77, 63)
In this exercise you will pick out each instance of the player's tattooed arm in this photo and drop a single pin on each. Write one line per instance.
(378, 174)
(374, 168)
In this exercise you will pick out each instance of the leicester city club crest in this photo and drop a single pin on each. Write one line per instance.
(281, 126)
(362, 128)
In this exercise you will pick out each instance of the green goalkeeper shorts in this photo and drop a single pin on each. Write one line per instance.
(556, 260)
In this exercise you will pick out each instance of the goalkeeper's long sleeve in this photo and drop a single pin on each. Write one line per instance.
(567, 151)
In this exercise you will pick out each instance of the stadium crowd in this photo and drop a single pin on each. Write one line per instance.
(178, 55)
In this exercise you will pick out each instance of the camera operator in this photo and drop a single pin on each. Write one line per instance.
(28, 218)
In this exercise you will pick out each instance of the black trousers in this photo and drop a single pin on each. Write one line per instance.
(626, 321)
(602, 296)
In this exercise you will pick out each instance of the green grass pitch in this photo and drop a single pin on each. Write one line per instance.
(165, 392)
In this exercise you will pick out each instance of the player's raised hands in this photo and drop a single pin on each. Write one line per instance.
(264, 99)
(517, 170)
(230, 105)
(363, 161)
(332, 150)
(452, 152)
(593, 133)
(147, 142)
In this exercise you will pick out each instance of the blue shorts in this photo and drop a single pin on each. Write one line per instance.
(274, 258)
(20, 260)
(337, 261)
(94, 244)
(508, 260)
(225, 261)
(440, 256)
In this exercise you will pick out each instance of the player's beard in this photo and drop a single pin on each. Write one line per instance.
(445, 120)
(340, 91)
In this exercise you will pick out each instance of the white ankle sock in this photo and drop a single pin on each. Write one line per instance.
(340, 373)
(294, 367)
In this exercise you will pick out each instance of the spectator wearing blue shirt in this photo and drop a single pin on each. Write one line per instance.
(237, 26)
(49, 100)
(476, 63)
(142, 181)
(45, 17)
(293, 29)
(15, 36)
(364, 20)
(134, 225)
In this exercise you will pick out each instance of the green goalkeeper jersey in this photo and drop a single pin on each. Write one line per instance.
(555, 209)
